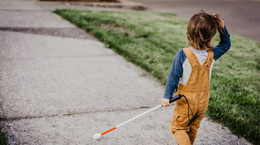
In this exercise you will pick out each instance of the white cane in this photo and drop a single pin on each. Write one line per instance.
(99, 135)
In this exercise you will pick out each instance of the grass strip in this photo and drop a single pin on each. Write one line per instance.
(3, 138)
(151, 41)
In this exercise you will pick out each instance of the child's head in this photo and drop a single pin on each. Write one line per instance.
(201, 30)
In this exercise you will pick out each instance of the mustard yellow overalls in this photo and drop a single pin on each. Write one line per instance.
(197, 92)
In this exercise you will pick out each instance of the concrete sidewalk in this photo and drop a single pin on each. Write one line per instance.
(61, 89)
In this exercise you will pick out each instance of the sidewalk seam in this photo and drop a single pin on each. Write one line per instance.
(70, 114)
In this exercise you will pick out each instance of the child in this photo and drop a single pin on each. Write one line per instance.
(191, 72)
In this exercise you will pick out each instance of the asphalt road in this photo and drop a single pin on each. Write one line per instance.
(241, 16)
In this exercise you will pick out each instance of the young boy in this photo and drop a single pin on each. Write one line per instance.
(191, 72)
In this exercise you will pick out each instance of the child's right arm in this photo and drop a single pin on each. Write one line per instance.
(225, 42)
(173, 78)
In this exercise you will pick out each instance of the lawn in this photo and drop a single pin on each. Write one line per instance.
(151, 41)
(3, 138)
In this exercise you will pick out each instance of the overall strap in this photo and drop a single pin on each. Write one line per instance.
(191, 57)
(209, 59)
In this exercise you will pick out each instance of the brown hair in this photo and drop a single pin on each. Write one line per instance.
(201, 29)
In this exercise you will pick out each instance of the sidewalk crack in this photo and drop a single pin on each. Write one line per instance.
(59, 32)
(3, 119)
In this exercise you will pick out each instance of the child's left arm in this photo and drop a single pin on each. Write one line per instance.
(225, 42)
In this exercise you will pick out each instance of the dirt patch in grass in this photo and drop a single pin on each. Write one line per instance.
(117, 29)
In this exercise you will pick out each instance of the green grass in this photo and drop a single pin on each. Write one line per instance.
(151, 40)
(3, 138)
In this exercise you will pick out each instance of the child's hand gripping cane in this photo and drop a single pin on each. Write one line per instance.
(165, 102)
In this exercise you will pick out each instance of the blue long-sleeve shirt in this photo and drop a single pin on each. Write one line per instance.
(181, 68)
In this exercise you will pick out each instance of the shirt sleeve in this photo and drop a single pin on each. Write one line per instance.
(223, 45)
(174, 75)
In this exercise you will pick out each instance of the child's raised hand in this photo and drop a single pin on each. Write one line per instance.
(220, 20)
(165, 102)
